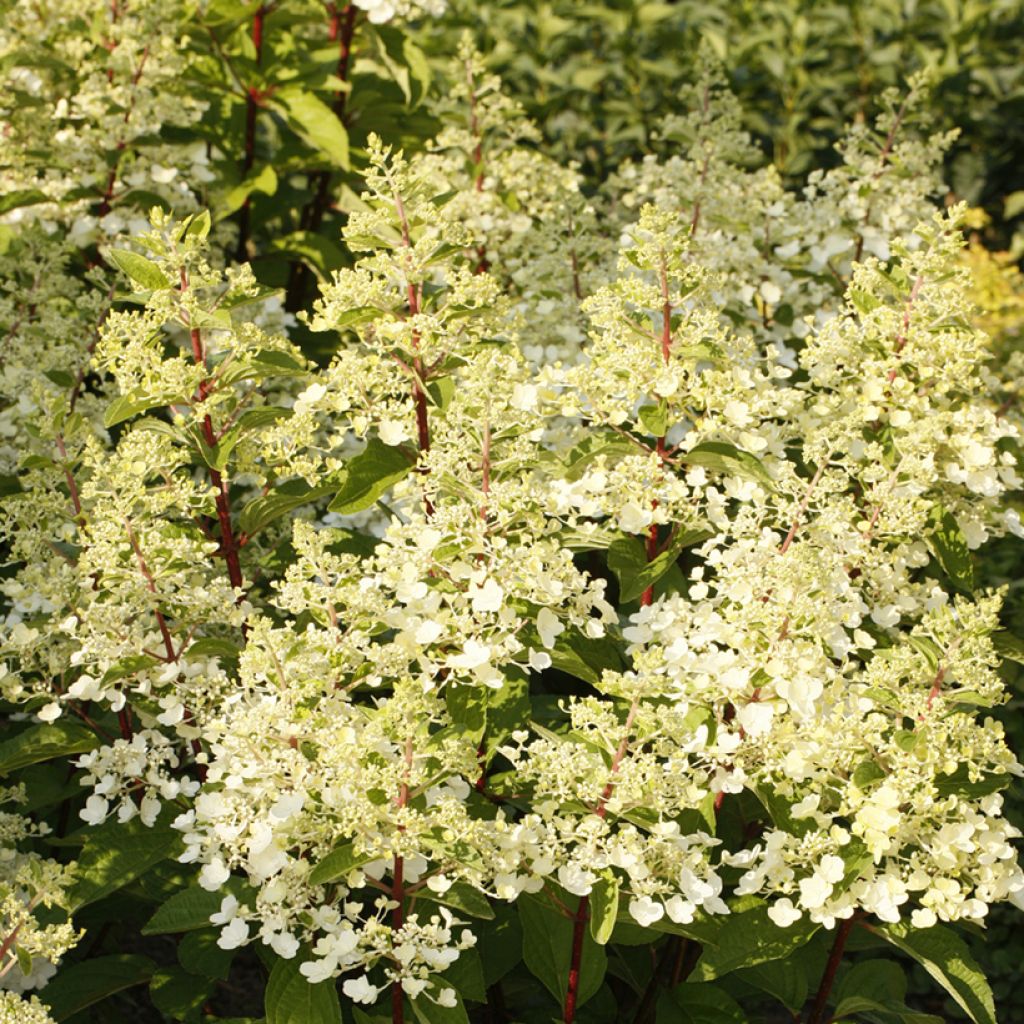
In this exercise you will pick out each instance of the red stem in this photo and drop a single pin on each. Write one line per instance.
(583, 910)
(398, 892)
(666, 354)
(249, 154)
(829, 975)
(572, 992)
(341, 29)
(108, 193)
(229, 545)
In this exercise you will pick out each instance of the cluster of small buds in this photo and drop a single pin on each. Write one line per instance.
(16, 1010)
(31, 948)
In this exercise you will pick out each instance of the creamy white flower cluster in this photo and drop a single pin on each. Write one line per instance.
(748, 542)
(381, 11)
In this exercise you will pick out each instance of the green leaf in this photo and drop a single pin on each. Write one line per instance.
(82, 984)
(261, 512)
(366, 476)
(585, 657)
(466, 976)
(190, 909)
(354, 317)
(861, 1004)
(728, 459)
(547, 950)
(750, 937)
(628, 560)
(178, 994)
(22, 197)
(500, 943)
(126, 406)
(461, 896)
(142, 271)
(310, 118)
(1008, 646)
(290, 999)
(213, 647)
(467, 706)
(199, 954)
(604, 907)
(1013, 205)
(944, 955)
(43, 742)
(273, 362)
(692, 1003)
(786, 980)
(264, 180)
(337, 865)
(607, 446)
(655, 418)
(882, 980)
(950, 548)
(115, 854)
(960, 783)
(322, 254)
(198, 225)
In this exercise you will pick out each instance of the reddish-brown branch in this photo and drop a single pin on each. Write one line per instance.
(341, 29)
(252, 102)
(795, 525)
(583, 910)
(828, 976)
(937, 682)
(108, 193)
(69, 477)
(229, 543)
(576, 962)
(398, 890)
(883, 160)
(666, 354)
(165, 632)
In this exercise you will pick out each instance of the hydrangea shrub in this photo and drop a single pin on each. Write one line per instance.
(597, 633)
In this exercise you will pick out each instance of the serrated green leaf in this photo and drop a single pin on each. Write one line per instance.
(292, 494)
(547, 950)
(463, 897)
(44, 742)
(290, 999)
(785, 979)
(728, 459)
(627, 558)
(367, 476)
(117, 853)
(950, 548)
(750, 937)
(190, 909)
(695, 1003)
(337, 864)
(126, 406)
(142, 271)
(80, 985)
(604, 907)
(944, 955)
(179, 994)
(309, 117)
